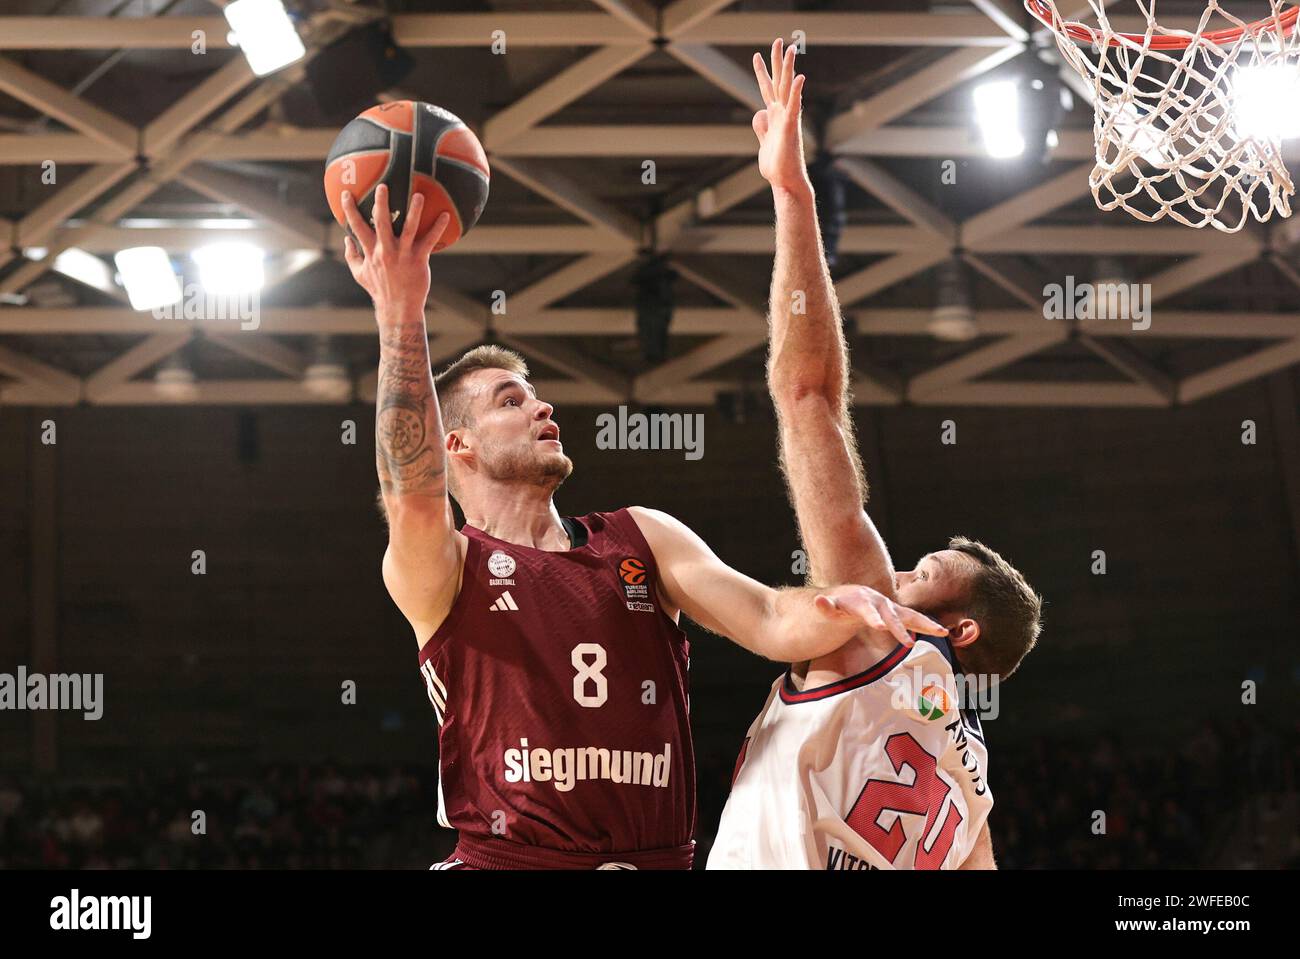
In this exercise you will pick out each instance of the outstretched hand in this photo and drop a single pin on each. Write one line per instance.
(393, 270)
(780, 135)
(877, 612)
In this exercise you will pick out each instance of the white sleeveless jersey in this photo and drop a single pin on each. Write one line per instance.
(877, 771)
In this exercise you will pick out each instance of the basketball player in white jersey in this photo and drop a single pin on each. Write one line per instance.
(862, 758)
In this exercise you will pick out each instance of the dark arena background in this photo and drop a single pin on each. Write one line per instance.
(187, 505)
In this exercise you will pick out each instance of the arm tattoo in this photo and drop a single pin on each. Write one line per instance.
(408, 435)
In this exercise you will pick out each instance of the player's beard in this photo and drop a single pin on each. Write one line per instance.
(529, 462)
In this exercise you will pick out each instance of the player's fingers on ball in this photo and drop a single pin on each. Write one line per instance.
(412, 224)
(352, 254)
(429, 242)
(764, 81)
(383, 219)
(364, 236)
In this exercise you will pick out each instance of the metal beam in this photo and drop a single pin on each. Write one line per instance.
(520, 30)
(1197, 271)
(655, 385)
(898, 196)
(1261, 363)
(855, 127)
(566, 280)
(687, 321)
(723, 73)
(982, 360)
(119, 137)
(884, 274)
(1132, 364)
(572, 140)
(297, 227)
(563, 192)
(139, 357)
(262, 350)
(49, 383)
(1044, 394)
(1012, 277)
(1028, 205)
(613, 385)
(637, 14)
(111, 33)
(559, 91)
(682, 15)
(848, 29)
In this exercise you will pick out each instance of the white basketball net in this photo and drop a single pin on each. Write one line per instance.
(1178, 130)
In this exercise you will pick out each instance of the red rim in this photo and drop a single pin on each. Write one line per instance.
(1084, 34)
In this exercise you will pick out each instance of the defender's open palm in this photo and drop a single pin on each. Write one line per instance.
(876, 611)
(780, 137)
(393, 270)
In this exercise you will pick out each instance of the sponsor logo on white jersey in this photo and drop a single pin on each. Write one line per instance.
(505, 604)
(564, 768)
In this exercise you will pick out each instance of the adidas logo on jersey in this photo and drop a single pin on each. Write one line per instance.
(505, 604)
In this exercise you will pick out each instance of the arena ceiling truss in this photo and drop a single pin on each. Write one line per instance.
(189, 141)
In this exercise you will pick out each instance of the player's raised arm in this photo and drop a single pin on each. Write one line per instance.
(421, 564)
(786, 625)
(808, 359)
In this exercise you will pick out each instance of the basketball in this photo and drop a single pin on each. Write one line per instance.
(413, 148)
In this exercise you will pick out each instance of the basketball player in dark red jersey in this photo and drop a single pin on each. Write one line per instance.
(549, 646)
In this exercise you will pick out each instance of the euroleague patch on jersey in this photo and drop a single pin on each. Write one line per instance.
(502, 566)
(934, 702)
(632, 572)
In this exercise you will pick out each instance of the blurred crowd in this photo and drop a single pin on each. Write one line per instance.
(1227, 796)
(299, 817)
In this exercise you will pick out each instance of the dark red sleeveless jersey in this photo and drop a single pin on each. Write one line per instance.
(560, 688)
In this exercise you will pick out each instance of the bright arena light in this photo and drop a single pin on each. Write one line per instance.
(231, 267)
(265, 34)
(84, 267)
(1265, 99)
(997, 111)
(147, 275)
(1139, 133)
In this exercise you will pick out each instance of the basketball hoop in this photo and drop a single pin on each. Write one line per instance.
(1178, 131)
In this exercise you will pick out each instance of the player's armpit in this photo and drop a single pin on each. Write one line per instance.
(981, 855)
(421, 571)
(823, 475)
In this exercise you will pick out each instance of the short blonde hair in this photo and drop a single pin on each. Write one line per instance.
(453, 399)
